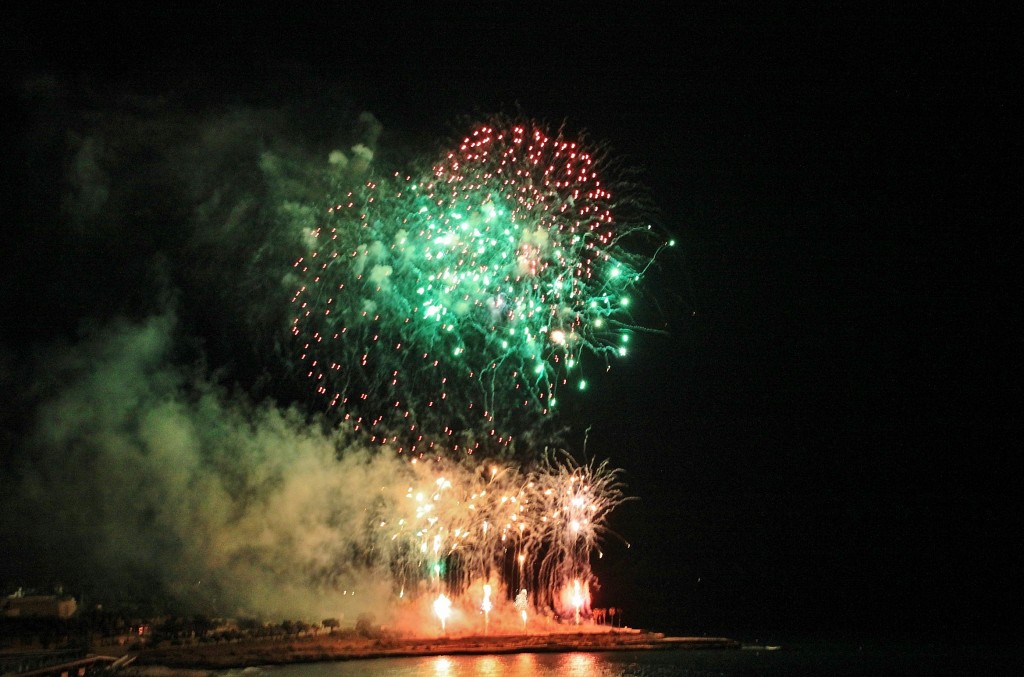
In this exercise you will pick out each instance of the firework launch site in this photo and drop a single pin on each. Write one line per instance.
(335, 647)
(94, 641)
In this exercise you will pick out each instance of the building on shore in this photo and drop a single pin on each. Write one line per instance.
(38, 606)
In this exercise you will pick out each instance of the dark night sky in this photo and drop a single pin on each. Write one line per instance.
(824, 441)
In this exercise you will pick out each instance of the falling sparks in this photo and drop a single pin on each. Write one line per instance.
(453, 527)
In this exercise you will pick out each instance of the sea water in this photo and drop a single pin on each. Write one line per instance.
(798, 659)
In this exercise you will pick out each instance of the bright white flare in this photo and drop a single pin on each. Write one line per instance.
(486, 605)
(577, 599)
(443, 609)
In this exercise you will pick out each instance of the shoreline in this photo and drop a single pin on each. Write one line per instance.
(164, 661)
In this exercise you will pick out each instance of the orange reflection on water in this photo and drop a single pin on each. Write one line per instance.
(488, 666)
(526, 663)
(443, 666)
(580, 665)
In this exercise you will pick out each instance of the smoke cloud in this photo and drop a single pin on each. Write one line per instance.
(145, 479)
(145, 454)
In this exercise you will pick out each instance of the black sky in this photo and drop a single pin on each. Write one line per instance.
(826, 440)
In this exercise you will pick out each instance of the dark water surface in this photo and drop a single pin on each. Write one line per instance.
(801, 659)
